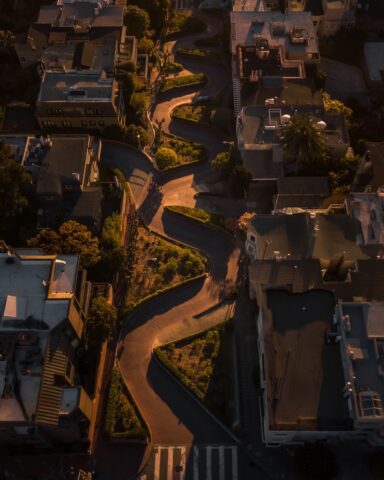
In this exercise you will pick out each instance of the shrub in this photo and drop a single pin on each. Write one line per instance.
(145, 45)
(166, 157)
(183, 81)
(111, 233)
(131, 134)
(136, 20)
(172, 67)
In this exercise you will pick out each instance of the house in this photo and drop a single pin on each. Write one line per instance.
(315, 234)
(269, 48)
(319, 349)
(64, 170)
(42, 402)
(300, 192)
(71, 23)
(257, 131)
(87, 100)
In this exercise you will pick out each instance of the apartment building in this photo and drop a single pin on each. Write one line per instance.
(86, 100)
(42, 401)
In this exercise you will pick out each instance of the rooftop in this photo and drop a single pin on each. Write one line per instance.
(363, 328)
(303, 372)
(371, 170)
(81, 15)
(302, 236)
(374, 58)
(293, 31)
(260, 124)
(75, 87)
(368, 210)
(35, 295)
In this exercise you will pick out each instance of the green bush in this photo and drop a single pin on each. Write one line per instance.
(172, 67)
(111, 233)
(166, 157)
(136, 20)
(183, 81)
(145, 45)
(196, 52)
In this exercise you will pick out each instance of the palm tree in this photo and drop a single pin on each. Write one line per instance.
(304, 140)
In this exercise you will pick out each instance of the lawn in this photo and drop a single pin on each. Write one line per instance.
(122, 419)
(201, 363)
(199, 215)
(185, 152)
(183, 81)
(159, 264)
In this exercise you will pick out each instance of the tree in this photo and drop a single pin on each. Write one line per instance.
(136, 20)
(240, 179)
(145, 45)
(166, 157)
(136, 135)
(304, 140)
(335, 106)
(343, 175)
(222, 164)
(101, 322)
(13, 180)
(111, 233)
(70, 238)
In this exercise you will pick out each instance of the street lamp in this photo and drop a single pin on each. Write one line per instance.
(138, 141)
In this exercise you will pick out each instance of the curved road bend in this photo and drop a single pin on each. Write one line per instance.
(173, 416)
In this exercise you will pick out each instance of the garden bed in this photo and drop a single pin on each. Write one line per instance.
(200, 215)
(194, 113)
(183, 81)
(122, 419)
(183, 23)
(160, 264)
(180, 152)
(201, 364)
(197, 52)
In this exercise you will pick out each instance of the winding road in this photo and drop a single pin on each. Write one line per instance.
(174, 417)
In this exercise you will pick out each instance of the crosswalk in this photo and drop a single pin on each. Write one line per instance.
(183, 4)
(192, 462)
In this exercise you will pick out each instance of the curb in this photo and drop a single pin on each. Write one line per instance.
(224, 427)
(186, 85)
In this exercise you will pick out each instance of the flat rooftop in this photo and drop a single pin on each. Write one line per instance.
(304, 373)
(365, 345)
(294, 31)
(81, 15)
(260, 124)
(75, 87)
(35, 291)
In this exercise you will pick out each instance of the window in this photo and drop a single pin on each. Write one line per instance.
(66, 123)
(101, 123)
(92, 123)
(83, 123)
(252, 238)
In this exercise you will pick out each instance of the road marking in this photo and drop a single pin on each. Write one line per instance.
(195, 463)
(234, 463)
(221, 463)
(182, 462)
(170, 451)
(156, 474)
(209, 471)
